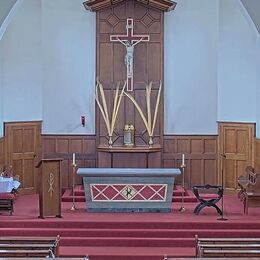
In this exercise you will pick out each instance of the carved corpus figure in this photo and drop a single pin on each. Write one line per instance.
(129, 40)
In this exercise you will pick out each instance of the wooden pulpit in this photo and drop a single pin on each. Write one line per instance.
(49, 187)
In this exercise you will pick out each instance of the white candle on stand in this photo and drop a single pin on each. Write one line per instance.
(183, 159)
(73, 159)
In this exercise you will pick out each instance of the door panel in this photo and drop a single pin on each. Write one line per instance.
(236, 143)
(23, 145)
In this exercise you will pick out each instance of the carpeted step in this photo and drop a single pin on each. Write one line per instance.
(127, 241)
(126, 253)
(120, 223)
(79, 195)
(174, 199)
(76, 198)
(118, 233)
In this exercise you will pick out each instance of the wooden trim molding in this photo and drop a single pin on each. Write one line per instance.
(200, 157)
(98, 5)
(62, 146)
(2, 153)
(257, 154)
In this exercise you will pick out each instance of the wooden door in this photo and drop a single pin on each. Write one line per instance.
(23, 146)
(236, 143)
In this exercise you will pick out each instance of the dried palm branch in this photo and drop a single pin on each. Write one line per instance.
(148, 120)
(102, 104)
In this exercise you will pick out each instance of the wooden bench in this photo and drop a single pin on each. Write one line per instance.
(29, 246)
(249, 186)
(227, 247)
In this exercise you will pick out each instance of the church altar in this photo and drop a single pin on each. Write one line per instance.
(128, 189)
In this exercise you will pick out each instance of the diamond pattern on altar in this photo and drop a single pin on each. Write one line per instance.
(128, 192)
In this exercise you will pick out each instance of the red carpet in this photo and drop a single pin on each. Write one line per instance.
(130, 236)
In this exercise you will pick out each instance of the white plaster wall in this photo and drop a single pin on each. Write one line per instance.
(237, 74)
(21, 65)
(47, 63)
(258, 89)
(191, 36)
(69, 60)
(1, 91)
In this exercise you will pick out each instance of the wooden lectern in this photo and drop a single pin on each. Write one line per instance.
(49, 187)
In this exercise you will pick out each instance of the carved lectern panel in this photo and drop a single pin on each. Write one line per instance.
(147, 66)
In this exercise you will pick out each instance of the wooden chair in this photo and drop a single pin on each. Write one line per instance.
(7, 201)
(244, 180)
(249, 186)
(29, 246)
(227, 247)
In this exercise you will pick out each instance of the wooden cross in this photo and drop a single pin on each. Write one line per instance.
(129, 40)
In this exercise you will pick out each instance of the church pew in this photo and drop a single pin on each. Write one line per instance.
(227, 247)
(26, 253)
(29, 246)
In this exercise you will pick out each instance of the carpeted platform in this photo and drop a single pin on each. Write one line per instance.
(80, 195)
(129, 236)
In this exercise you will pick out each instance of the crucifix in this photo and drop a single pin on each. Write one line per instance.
(129, 40)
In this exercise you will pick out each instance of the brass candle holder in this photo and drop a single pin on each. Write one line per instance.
(74, 165)
(183, 166)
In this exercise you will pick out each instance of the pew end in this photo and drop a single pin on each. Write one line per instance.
(227, 247)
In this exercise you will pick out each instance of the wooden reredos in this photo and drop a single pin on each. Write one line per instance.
(97, 5)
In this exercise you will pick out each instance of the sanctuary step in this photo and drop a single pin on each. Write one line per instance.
(127, 240)
(129, 253)
(80, 195)
(129, 236)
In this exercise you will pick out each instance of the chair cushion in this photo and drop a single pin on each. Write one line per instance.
(6, 196)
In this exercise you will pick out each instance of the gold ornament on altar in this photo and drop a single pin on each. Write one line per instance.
(148, 120)
(129, 131)
(110, 120)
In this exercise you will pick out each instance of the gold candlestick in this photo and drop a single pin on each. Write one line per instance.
(182, 208)
(74, 165)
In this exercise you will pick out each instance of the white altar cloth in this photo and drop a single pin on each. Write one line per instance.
(8, 184)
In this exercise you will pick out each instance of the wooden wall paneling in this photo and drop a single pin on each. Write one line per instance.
(257, 155)
(63, 146)
(236, 151)
(104, 160)
(123, 160)
(154, 159)
(200, 157)
(2, 153)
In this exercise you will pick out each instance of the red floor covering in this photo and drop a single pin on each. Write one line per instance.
(129, 236)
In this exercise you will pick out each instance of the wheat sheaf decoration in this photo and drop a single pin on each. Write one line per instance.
(148, 119)
(110, 121)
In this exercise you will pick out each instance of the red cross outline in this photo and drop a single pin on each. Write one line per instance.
(129, 37)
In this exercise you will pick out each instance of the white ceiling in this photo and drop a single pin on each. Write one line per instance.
(5, 7)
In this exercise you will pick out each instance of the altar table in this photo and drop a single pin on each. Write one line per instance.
(128, 189)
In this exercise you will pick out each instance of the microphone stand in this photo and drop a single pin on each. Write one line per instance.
(222, 218)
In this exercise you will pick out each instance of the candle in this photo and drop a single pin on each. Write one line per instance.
(73, 159)
(183, 159)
